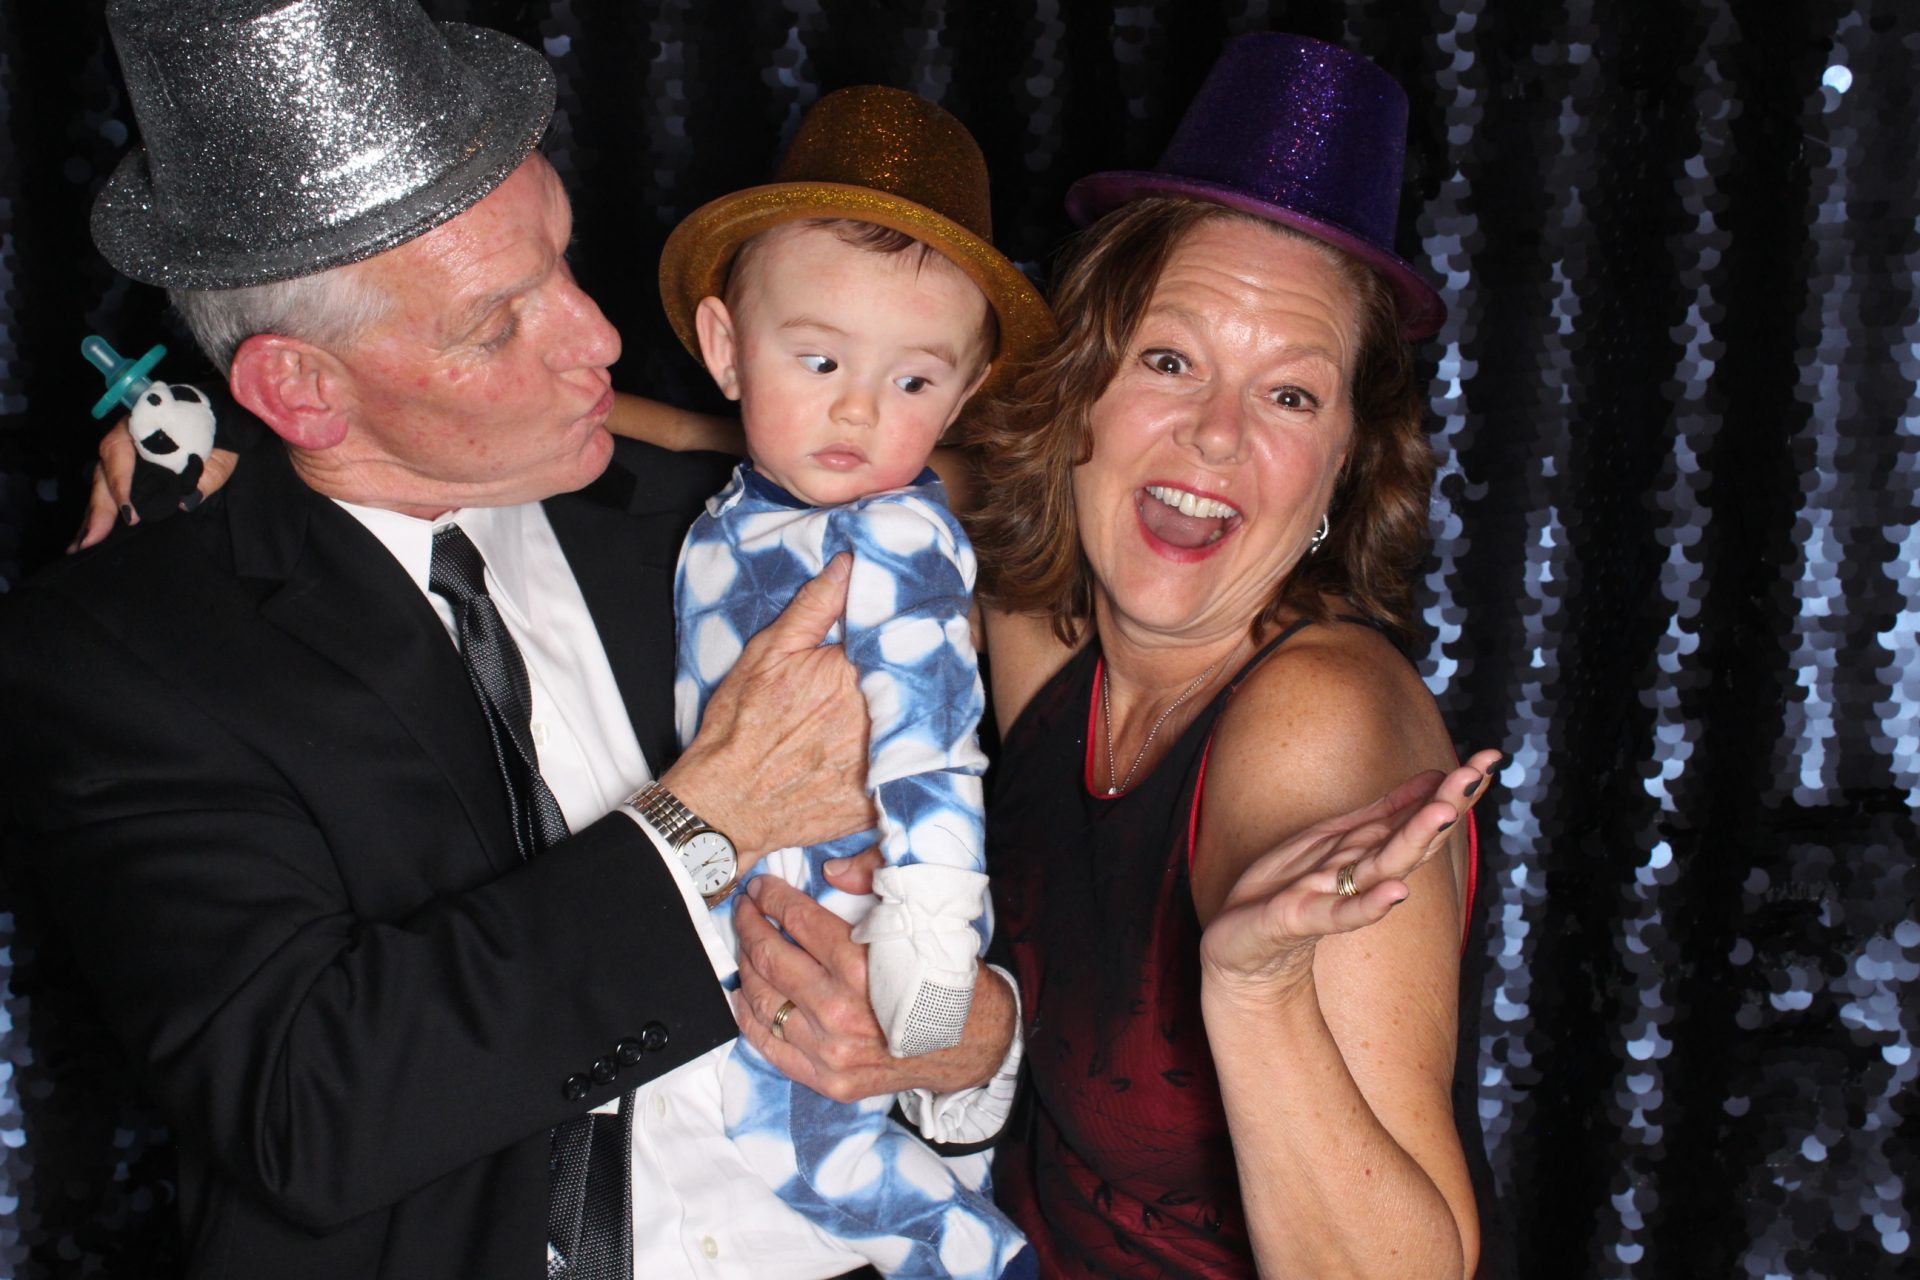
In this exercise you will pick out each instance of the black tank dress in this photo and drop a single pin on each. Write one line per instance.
(1119, 1162)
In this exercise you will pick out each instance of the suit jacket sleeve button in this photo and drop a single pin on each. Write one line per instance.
(604, 1070)
(628, 1051)
(653, 1037)
(576, 1087)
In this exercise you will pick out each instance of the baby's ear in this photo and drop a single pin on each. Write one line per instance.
(979, 379)
(713, 324)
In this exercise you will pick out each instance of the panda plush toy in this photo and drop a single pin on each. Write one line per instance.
(173, 429)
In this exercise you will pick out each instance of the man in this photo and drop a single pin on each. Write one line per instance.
(338, 784)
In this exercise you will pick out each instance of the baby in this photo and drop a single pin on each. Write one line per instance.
(852, 308)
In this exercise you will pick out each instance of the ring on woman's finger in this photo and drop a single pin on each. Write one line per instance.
(1344, 881)
(780, 1017)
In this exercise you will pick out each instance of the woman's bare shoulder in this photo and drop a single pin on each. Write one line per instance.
(1333, 720)
(1023, 653)
(1342, 690)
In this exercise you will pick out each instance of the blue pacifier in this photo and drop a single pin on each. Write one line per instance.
(126, 379)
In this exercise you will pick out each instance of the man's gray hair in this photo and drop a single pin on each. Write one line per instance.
(329, 309)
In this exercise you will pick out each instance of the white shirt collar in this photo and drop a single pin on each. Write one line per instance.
(496, 531)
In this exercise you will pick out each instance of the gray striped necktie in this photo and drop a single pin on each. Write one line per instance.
(589, 1220)
(499, 678)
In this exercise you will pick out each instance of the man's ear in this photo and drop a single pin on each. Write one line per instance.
(293, 387)
(713, 324)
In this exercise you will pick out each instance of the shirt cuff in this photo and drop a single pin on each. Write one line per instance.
(979, 1113)
(719, 955)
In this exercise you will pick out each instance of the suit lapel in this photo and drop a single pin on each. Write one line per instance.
(332, 586)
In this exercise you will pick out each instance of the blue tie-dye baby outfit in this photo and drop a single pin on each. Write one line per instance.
(848, 1168)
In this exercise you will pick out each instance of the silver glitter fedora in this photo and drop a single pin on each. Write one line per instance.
(283, 137)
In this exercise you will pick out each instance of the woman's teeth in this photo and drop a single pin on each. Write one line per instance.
(1192, 504)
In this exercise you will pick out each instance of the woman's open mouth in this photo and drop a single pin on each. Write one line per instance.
(1183, 519)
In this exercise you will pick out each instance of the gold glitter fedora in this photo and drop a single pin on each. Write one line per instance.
(871, 154)
(283, 137)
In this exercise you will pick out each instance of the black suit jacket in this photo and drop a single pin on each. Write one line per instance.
(253, 785)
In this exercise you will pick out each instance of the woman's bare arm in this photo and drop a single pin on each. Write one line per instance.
(682, 430)
(633, 416)
(1332, 1019)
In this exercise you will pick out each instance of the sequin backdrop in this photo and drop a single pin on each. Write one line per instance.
(1677, 575)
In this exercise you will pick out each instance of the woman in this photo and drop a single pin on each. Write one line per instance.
(1205, 508)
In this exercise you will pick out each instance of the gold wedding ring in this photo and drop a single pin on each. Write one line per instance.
(780, 1017)
(1344, 881)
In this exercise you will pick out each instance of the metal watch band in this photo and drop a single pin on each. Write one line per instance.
(665, 814)
(660, 809)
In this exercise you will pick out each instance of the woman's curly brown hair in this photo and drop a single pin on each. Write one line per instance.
(1027, 444)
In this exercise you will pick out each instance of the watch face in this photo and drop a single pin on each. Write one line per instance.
(709, 859)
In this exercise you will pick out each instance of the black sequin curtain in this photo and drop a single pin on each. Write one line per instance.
(1677, 573)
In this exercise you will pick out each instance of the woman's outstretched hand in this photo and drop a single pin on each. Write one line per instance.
(1289, 898)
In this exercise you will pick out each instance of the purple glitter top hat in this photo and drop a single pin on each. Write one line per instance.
(1301, 133)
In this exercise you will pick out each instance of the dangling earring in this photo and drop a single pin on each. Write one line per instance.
(1319, 535)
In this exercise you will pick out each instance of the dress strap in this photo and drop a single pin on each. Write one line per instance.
(1262, 654)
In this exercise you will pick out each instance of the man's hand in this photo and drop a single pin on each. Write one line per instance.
(830, 1041)
(781, 756)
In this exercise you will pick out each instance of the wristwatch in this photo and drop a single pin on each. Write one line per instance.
(707, 855)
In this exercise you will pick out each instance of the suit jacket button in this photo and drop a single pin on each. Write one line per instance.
(653, 1037)
(576, 1087)
(604, 1070)
(628, 1051)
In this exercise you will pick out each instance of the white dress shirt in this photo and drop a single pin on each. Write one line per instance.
(699, 1209)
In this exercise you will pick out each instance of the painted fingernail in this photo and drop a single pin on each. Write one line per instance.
(192, 500)
(1448, 823)
(1396, 902)
(1475, 785)
(126, 513)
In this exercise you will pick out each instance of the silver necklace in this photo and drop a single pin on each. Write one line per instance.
(1106, 713)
